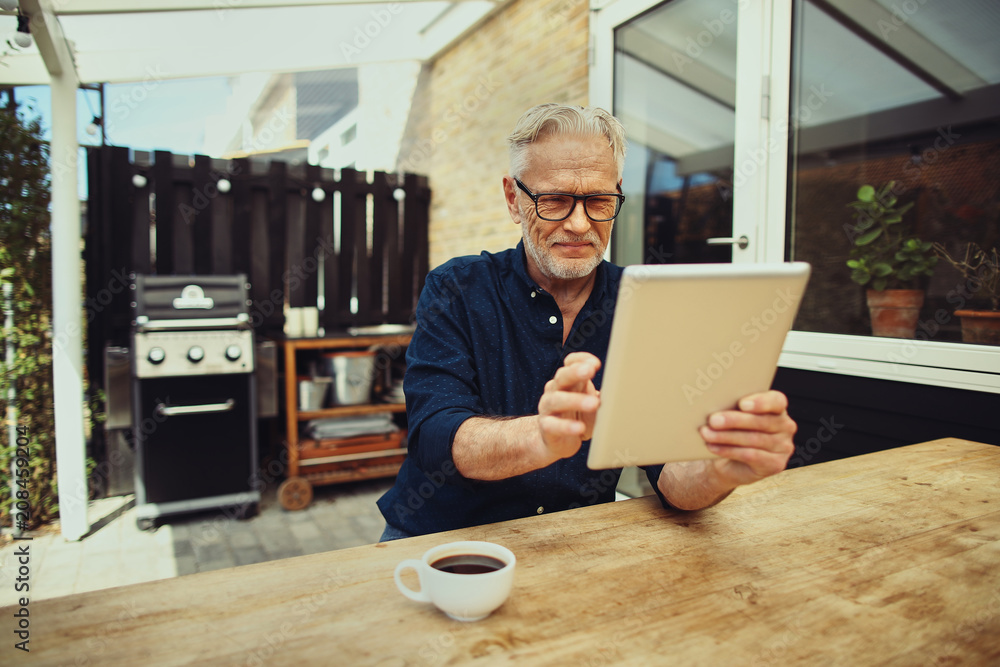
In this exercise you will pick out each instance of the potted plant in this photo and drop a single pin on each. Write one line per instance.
(980, 270)
(889, 260)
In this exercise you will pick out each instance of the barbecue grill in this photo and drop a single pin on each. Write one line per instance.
(193, 396)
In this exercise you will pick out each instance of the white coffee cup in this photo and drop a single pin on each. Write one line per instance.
(463, 597)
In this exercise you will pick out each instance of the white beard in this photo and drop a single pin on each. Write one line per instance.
(558, 268)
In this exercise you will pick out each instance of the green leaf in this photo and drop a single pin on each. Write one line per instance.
(866, 193)
(853, 263)
(893, 219)
(868, 237)
(882, 269)
(879, 284)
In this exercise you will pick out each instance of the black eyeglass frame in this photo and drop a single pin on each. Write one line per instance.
(576, 198)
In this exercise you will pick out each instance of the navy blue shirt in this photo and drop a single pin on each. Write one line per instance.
(487, 340)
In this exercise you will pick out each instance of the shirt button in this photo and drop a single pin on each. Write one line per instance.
(540, 510)
(533, 294)
(553, 319)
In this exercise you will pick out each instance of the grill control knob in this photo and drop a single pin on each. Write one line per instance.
(196, 354)
(234, 352)
(156, 355)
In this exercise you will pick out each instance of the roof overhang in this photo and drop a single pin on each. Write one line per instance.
(117, 41)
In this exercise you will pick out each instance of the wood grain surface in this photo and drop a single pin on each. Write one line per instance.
(891, 558)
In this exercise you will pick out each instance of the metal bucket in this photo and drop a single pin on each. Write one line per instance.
(313, 392)
(353, 374)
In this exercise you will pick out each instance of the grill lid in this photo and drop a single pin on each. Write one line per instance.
(190, 301)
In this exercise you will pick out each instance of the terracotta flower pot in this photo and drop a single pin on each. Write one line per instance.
(980, 326)
(894, 312)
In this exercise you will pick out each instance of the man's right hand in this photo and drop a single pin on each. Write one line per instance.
(499, 448)
(568, 407)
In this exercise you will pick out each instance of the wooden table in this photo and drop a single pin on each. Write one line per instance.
(891, 558)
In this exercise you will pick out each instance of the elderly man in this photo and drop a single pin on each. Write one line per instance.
(501, 395)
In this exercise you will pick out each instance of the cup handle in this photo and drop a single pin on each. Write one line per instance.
(419, 596)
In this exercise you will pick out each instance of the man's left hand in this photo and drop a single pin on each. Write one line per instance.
(755, 441)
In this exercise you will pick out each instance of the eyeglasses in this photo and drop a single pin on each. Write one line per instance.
(557, 206)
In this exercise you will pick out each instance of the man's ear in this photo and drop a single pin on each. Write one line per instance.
(510, 196)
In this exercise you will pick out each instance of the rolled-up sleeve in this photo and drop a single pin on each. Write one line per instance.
(441, 383)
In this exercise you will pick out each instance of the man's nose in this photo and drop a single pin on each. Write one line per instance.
(578, 223)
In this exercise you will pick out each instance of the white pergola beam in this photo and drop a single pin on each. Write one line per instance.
(81, 7)
(191, 44)
(886, 26)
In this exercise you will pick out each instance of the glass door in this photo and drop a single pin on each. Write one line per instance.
(894, 163)
(907, 103)
(753, 127)
(674, 87)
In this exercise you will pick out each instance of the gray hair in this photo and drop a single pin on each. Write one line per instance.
(559, 119)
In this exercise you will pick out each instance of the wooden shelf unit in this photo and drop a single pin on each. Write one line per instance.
(331, 461)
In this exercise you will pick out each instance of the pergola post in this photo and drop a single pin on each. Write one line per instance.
(67, 267)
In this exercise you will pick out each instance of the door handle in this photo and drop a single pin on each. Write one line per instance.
(742, 241)
(175, 410)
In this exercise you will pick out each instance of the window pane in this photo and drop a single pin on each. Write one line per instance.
(675, 91)
(902, 93)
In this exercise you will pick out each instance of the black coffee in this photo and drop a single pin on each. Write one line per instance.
(468, 564)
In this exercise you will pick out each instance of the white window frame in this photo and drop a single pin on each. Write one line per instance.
(764, 41)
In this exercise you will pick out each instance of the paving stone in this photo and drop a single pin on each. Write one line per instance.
(244, 537)
(185, 565)
(297, 517)
(216, 564)
(182, 548)
(180, 531)
(315, 546)
(273, 536)
(248, 555)
(368, 528)
(290, 552)
(304, 531)
(210, 552)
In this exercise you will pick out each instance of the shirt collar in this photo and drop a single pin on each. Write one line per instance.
(521, 270)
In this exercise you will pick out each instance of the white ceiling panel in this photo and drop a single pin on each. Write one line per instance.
(114, 41)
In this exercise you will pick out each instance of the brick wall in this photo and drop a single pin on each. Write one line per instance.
(468, 100)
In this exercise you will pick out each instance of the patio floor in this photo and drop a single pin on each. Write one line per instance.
(117, 553)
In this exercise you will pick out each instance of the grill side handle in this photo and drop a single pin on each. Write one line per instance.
(178, 410)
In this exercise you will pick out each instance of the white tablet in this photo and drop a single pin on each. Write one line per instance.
(688, 340)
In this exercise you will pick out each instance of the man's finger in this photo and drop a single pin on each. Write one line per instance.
(568, 401)
(575, 376)
(557, 426)
(767, 402)
(744, 421)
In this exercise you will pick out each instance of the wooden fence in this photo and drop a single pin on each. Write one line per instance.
(296, 231)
